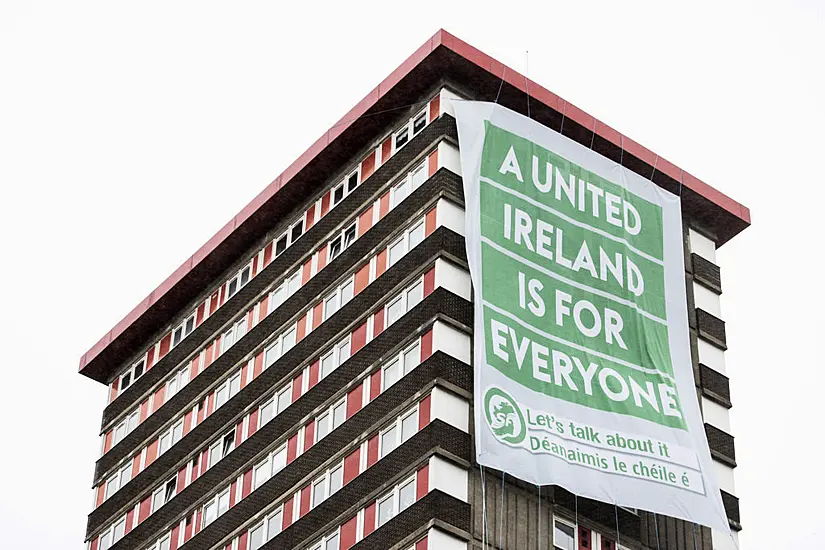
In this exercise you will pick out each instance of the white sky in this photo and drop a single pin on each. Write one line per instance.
(130, 132)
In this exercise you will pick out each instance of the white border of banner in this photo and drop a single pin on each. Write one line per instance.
(705, 508)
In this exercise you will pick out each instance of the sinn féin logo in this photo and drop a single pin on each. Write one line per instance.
(504, 416)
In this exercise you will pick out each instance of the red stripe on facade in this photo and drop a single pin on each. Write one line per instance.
(424, 412)
(375, 384)
(365, 221)
(359, 338)
(304, 506)
(368, 166)
(246, 488)
(314, 373)
(362, 278)
(352, 465)
(435, 107)
(372, 451)
(422, 482)
(429, 222)
(354, 399)
(426, 344)
(429, 281)
(432, 163)
(386, 150)
(369, 519)
(309, 435)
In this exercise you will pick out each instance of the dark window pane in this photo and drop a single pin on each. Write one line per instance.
(245, 276)
(401, 138)
(349, 236)
(352, 182)
(280, 246)
(297, 231)
(138, 370)
(190, 325)
(127, 379)
(177, 336)
(233, 287)
(419, 123)
(338, 194)
(334, 248)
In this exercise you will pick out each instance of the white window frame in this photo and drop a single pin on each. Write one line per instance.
(130, 372)
(323, 542)
(265, 524)
(238, 278)
(399, 360)
(216, 502)
(394, 497)
(339, 353)
(404, 298)
(569, 525)
(342, 240)
(341, 296)
(328, 419)
(408, 183)
(326, 480)
(163, 543)
(162, 492)
(275, 461)
(405, 241)
(344, 185)
(397, 425)
(216, 449)
(182, 328)
(409, 127)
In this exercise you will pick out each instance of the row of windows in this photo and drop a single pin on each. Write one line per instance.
(289, 286)
(327, 483)
(279, 244)
(330, 360)
(325, 422)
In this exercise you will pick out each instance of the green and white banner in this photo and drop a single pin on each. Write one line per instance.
(583, 374)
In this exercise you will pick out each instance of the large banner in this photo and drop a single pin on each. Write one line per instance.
(583, 375)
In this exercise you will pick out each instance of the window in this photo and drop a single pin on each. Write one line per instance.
(352, 181)
(280, 244)
(341, 242)
(272, 353)
(284, 398)
(238, 281)
(326, 485)
(184, 330)
(289, 339)
(266, 530)
(267, 411)
(296, 231)
(396, 501)
(294, 283)
(105, 540)
(405, 302)
(406, 242)
(162, 544)
(221, 448)
(346, 187)
(410, 183)
(163, 494)
(337, 355)
(269, 466)
(419, 122)
(401, 138)
(564, 536)
(132, 374)
(276, 298)
(329, 542)
(331, 419)
(398, 432)
(119, 479)
(179, 380)
(338, 298)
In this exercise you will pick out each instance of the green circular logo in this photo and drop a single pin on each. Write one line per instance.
(504, 416)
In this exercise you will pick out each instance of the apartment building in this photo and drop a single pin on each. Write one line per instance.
(304, 380)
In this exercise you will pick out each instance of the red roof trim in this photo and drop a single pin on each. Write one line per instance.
(482, 60)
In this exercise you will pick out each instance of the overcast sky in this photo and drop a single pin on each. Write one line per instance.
(131, 131)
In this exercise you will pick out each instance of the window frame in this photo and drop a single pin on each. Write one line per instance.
(341, 239)
(264, 525)
(338, 295)
(344, 186)
(569, 525)
(326, 479)
(339, 350)
(397, 425)
(394, 496)
(328, 415)
(399, 359)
